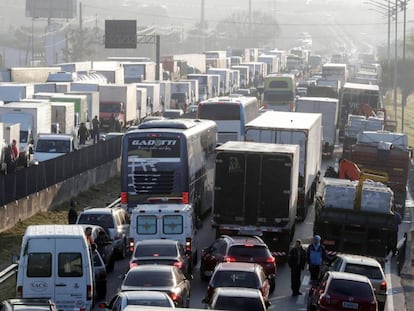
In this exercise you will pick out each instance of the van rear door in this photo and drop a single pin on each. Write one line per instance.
(73, 274)
(38, 280)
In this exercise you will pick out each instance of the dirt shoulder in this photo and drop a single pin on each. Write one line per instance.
(98, 195)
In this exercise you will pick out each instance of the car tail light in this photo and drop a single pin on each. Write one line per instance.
(265, 105)
(178, 264)
(133, 264)
(19, 292)
(383, 285)
(270, 260)
(229, 259)
(131, 244)
(174, 296)
(89, 292)
(292, 106)
(124, 197)
(188, 245)
(324, 300)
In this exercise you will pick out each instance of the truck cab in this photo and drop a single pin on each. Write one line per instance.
(165, 218)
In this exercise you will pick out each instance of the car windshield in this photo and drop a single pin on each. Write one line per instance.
(155, 250)
(235, 279)
(238, 304)
(243, 251)
(350, 288)
(151, 278)
(371, 272)
(104, 220)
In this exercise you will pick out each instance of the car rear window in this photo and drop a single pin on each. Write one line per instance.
(155, 250)
(103, 220)
(238, 304)
(149, 279)
(235, 279)
(255, 251)
(350, 288)
(370, 272)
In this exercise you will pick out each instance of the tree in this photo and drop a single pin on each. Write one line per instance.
(82, 43)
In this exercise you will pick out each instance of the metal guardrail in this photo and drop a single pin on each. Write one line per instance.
(8, 272)
(11, 270)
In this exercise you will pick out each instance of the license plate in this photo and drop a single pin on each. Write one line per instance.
(350, 305)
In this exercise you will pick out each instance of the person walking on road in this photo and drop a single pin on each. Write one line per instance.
(296, 262)
(95, 129)
(82, 134)
(315, 254)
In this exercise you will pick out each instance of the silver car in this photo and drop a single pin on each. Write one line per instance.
(114, 220)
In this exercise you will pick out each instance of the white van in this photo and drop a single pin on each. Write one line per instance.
(50, 146)
(55, 263)
(165, 218)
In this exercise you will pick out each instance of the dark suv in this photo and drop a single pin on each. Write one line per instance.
(238, 249)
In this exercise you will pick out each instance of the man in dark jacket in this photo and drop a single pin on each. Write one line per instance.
(297, 262)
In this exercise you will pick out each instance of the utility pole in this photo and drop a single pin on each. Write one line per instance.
(404, 75)
(80, 32)
(389, 45)
(396, 60)
(250, 17)
(202, 28)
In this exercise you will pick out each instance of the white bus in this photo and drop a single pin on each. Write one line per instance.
(334, 71)
(230, 115)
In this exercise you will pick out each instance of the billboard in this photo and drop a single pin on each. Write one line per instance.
(120, 34)
(51, 8)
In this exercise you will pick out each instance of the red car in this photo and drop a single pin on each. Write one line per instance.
(342, 291)
(238, 249)
(238, 274)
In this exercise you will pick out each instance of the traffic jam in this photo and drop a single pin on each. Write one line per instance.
(250, 179)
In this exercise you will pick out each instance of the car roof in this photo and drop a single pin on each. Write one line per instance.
(238, 292)
(237, 266)
(151, 267)
(349, 276)
(245, 239)
(157, 241)
(147, 294)
(357, 259)
(99, 210)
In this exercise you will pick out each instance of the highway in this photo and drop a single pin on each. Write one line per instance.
(281, 299)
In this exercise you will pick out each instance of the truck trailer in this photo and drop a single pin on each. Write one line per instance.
(294, 128)
(256, 192)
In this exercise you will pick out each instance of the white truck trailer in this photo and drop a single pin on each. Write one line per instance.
(34, 118)
(120, 100)
(329, 108)
(294, 128)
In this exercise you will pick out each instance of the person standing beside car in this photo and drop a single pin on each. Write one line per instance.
(315, 254)
(296, 262)
(95, 129)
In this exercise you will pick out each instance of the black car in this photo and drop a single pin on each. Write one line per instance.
(238, 249)
(161, 251)
(168, 279)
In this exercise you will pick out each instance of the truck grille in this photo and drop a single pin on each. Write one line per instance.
(161, 182)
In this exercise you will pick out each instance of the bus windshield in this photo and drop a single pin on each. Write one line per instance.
(147, 147)
(219, 112)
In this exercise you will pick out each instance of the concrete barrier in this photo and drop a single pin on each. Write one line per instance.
(51, 197)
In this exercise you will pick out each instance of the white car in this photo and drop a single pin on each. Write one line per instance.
(138, 298)
(368, 267)
(50, 146)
